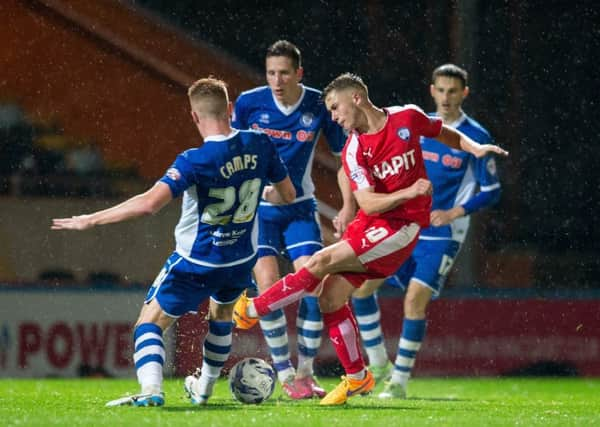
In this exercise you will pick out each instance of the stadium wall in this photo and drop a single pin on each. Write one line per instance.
(465, 337)
(134, 251)
(112, 74)
(107, 72)
(67, 333)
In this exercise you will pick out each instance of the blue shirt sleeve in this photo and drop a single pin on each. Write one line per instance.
(335, 135)
(239, 120)
(489, 185)
(180, 176)
(277, 170)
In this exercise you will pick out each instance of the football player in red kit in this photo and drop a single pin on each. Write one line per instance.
(384, 165)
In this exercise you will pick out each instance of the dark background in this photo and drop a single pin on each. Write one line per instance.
(533, 80)
(93, 105)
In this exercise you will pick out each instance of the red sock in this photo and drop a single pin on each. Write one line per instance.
(285, 291)
(343, 333)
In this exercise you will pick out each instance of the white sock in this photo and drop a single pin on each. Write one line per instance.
(305, 366)
(286, 374)
(399, 377)
(151, 389)
(251, 310)
(357, 375)
(205, 385)
(377, 355)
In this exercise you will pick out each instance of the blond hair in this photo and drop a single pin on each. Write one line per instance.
(208, 96)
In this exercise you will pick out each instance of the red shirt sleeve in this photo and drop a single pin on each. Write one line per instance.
(355, 164)
(425, 125)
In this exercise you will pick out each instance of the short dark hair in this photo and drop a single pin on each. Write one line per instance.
(346, 81)
(287, 49)
(450, 70)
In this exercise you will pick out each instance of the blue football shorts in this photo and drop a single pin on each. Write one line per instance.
(181, 286)
(289, 230)
(429, 264)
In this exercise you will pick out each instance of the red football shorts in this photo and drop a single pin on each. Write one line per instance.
(381, 245)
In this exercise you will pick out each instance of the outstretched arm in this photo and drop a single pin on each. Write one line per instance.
(456, 139)
(371, 202)
(479, 201)
(146, 203)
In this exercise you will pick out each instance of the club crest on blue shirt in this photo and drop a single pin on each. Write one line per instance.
(403, 133)
(173, 173)
(491, 166)
(264, 118)
(307, 119)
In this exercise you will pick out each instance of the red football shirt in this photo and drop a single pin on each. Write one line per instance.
(391, 159)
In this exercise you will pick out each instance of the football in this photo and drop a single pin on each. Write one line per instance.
(252, 380)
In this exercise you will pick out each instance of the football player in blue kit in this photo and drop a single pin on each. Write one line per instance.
(462, 184)
(293, 115)
(216, 238)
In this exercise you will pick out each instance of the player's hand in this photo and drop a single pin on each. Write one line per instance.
(81, 222)
(440, 217)
(421, 187)
(271, 195)
(342, 219)
(480, 150)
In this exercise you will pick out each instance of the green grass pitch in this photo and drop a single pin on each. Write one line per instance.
(431, 402)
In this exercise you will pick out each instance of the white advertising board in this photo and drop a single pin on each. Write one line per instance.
(60, 333)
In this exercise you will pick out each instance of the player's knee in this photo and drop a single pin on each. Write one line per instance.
(318, 263)
(266, 282)
(367, 289)
(414, 307)
(336, 292)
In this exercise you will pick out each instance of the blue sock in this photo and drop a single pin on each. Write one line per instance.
(274, 327)
(368, 318)
(413, 333)
(216, 349)
(309, 326)
(149, 356)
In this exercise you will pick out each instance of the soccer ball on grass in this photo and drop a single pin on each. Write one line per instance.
(252, 380)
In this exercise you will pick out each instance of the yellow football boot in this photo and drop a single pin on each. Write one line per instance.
(348, 388)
